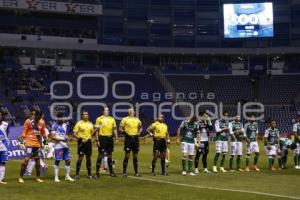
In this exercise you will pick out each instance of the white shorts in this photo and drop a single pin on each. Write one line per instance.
(252, 148)
(221, 146)
(188, 148)
(297, 150)
(236, 148)
(272, 151)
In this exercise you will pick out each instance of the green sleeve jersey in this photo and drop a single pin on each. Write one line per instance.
(296, 129)
(251, 130)
(238, 131)
(272, 136)
(188, 131)
(219, 125)
(285, 142)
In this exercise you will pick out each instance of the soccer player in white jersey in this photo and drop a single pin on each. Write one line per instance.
(61, 147)
(296, 132)
(4, 143)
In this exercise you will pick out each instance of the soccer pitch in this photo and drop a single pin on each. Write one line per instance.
(282, 184)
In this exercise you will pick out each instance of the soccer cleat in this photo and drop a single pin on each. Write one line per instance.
(183, 173)
(27, 173)
(164, 174)
(125, 175)
(137, 175)
(3, 183)
(215, 170)
(152, 174)
(39, 180)
(297, 167)
(247, 169)
(232, 170)
(196, 171)
(192, 174)
(112, 175)
(56, 179)
(21, 180)
(68, 178)
(89, 177)
(241, 170)
(97, 175)
(206, 171)
(256, 168)
(273, 169)
(222, 170)
(77, 177)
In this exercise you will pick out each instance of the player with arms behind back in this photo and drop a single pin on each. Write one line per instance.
(61, 147)
(132, 127)
(272, 143)
(251, 129)
(186, 135)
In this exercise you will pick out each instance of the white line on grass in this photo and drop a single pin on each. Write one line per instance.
(214, 188)
(208, 188)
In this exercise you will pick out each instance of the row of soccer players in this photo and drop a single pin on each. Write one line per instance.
(34, 137)
(194, 134)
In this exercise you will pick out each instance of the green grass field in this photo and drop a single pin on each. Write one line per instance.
(283, 184)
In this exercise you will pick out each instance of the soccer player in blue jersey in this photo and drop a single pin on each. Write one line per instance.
(61, 147)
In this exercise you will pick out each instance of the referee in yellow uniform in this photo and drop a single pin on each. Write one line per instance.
(132, 128)
(83, 131)
(159, 131)
(107, 129)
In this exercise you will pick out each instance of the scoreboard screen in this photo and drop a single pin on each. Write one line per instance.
(248, 20)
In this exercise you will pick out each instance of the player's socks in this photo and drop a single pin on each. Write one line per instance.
(125, 164)
(163, 166)
(67, 170)
(135, 165)
(190, 165)
(183, 162)
(280, 162)
(231, 163)
(196, 162)
(298, 160)
(56, 168)
(110, 165)
(270, 162)
(78, 166)
(2, 172)
(255, 160)
(216, 158)
(153, 165)
(295, 160)
(222, 160)
(98, 164)
(238, 162)
(247, 161)
(30, 166)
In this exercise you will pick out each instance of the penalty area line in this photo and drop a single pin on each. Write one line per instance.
(214, 188)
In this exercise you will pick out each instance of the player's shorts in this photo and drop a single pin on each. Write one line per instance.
(221, 146)
(84, 147)
(188, 148)
(131, 143)
(33, 152)
(297, 150)
(203, 147)
(62, 154)
(3, 156)
(252, 148)
(236, 148)
(272, 151)
(159, 144)
(106, 144)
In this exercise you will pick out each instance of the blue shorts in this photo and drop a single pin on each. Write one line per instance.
(62, 154)
(3, 156)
